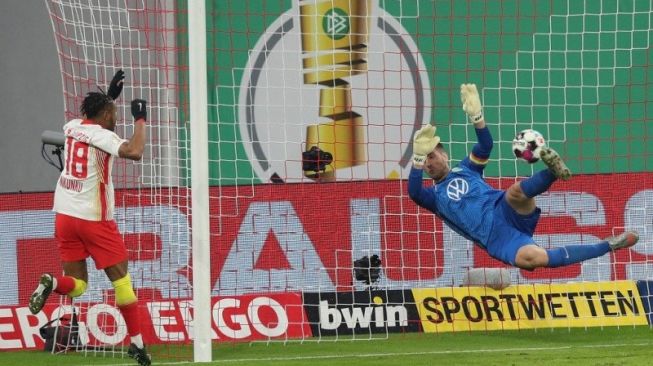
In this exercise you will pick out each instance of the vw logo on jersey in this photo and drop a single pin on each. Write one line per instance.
(457, 188)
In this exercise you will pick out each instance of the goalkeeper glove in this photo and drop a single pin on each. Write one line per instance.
(424, 142)
(139, 109)
(471, 102)
(115, 88)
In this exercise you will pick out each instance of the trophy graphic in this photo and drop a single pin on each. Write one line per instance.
(334, 35)
(333, 90)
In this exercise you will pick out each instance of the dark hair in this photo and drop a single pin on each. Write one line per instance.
(94, 103)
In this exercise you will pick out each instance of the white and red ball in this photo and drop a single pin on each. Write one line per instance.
(527, 145)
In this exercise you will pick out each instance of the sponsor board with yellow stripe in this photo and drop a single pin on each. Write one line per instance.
(588, 304)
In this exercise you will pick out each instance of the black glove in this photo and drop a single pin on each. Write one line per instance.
(116, 84)
(139, 109)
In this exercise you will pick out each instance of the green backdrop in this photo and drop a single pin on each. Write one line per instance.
(578, 71)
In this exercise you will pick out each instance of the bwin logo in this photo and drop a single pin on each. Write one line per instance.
(382, 316)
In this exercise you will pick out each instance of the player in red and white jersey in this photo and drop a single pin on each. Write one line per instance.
(85, 189)
(84, 205)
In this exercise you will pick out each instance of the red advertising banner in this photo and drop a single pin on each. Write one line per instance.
(238, 318)
(293, 238)
(263, 219)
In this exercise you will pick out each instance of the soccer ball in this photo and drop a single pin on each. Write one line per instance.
(527, 145)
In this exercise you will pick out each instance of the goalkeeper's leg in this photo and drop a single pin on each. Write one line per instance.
(555, 163)
(521, 195)
(532, 256)
(540, 182)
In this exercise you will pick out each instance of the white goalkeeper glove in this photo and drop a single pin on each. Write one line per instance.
(471, 102)
(424, 141)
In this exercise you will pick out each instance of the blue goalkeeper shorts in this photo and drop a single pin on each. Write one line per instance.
(510, 231)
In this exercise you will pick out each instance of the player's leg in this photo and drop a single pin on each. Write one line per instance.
(555, 163)
(105, 244)
(520, 195)
(72, 283)
(73, 255)
(512, 242)
(128, 305)
(518, 200)
(532, 256)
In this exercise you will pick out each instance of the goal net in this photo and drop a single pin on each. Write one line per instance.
(312, 105)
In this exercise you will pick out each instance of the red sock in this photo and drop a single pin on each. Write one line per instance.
(65, 284)
(131, 314)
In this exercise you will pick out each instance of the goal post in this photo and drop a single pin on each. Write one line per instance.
(201, 238)
(271, 204)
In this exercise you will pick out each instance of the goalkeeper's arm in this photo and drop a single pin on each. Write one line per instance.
(472, 106)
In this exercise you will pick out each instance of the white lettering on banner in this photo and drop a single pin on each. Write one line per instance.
(244, 319)
(17, 225)
(587, 210)
(238, 275)
(187, 318)
(162, 322)
(638, 216)
(97, 319)
(162, 274)
(279, 218)
(8, 328)
(242, 331)
(28, 330)
(366, 241)
(67, 312)
(264, 328)
(384, 316)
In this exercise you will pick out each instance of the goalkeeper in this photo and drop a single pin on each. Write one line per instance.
(84, 206)
(501, 222)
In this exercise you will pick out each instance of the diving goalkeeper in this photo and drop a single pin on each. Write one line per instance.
(501, 222)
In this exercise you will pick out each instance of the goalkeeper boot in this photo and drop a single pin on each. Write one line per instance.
(625, 240)
(555, 164)
(139, 354)
(40, 295)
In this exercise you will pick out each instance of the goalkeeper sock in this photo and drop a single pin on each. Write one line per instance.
(538, 183)
(571, 254)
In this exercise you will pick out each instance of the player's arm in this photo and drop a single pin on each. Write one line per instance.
(471, 101)
(424, 141)
(115, 87)
(133, 148)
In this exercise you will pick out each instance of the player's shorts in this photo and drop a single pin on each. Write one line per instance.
(78, 239)
(510, 231)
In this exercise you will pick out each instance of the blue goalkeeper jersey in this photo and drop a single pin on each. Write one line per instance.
(463, 200)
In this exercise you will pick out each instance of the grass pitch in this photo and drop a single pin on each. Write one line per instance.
(592, 346)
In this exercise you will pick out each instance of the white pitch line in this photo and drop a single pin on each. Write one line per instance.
(367, 355)
(364, 355)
